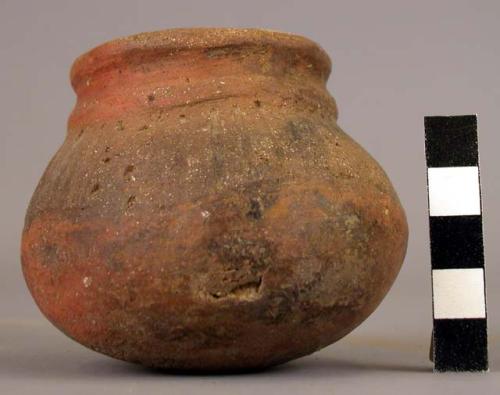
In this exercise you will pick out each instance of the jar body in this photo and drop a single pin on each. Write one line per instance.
(219, 219)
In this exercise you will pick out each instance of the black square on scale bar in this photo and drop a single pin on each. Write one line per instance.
(457, 242)
(451, 141)
(462, 345)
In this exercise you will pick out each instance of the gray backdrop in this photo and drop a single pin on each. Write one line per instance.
(393, 63)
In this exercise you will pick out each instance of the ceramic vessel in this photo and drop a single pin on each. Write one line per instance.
(205, 210)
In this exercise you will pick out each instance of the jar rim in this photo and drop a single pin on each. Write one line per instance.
(182, 39)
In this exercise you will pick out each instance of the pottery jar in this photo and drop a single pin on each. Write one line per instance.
(205, 210)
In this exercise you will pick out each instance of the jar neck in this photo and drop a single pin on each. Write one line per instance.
(111, 80)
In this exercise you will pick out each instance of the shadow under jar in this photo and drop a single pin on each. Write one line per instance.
(205, 211)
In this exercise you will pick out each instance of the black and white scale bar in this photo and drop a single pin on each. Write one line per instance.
(456, 234)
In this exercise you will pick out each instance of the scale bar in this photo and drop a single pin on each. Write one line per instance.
(456, 235)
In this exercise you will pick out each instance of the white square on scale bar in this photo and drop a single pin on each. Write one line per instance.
(454, 191)
(458, 293)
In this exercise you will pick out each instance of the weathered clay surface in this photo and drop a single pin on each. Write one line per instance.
(205, 210)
